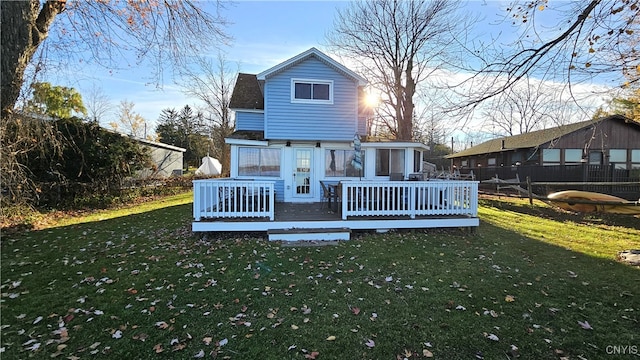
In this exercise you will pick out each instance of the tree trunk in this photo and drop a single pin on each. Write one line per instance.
(405, 123)
(24, 27)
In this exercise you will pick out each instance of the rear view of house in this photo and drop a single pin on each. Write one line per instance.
(300, 138)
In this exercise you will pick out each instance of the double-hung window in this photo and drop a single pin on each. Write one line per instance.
(312, 91)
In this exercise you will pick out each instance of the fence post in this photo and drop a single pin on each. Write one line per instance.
(529, 190)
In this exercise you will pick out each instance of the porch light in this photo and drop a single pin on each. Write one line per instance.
(288, 144)
(318, 144)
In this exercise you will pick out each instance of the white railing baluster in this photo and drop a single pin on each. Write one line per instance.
(420, 198)
(215, 198)
(227, 198)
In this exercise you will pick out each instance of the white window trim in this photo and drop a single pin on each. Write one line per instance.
(311, 81)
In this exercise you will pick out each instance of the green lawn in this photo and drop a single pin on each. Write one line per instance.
(531, 282)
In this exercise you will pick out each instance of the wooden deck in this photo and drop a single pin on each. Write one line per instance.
(249, 206)
(318, 216)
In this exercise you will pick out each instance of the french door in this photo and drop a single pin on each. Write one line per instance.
(302, 173)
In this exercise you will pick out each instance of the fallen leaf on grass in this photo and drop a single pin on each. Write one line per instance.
(179, 347)
(491, 337)
(142, 337)
(370, 343)
(162, 325)
(331, 338)
(585, 325)
(355, 310)
(426, 353)
(509, 298)
(200, 354)
(312, 355)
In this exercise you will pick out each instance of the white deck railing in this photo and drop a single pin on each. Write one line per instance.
(232, 198)
(409, 198)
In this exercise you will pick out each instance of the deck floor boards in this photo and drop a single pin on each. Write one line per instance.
(304, 212)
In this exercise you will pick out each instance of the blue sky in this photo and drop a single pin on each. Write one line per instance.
(265, 33)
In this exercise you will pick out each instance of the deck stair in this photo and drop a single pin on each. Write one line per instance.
(307, 234)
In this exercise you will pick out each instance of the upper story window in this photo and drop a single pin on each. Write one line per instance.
(312, 91)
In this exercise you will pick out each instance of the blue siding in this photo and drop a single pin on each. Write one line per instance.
(278, 187)
(362, 125)
(249, 121)
(294, 121)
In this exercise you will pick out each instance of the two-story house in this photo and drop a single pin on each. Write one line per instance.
(300, 127)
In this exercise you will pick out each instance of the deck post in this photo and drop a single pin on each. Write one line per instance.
(412, 201)
(344, 202)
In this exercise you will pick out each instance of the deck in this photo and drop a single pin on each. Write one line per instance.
(227, 205)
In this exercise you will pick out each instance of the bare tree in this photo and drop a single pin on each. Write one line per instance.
(526, 107)
(97, 104)
(211, 81)
(397, 44)
(161, 32)
(589, 39)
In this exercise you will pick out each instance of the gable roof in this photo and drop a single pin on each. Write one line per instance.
(313, 52)
(156, 144)
(532, 139)
(247, 93)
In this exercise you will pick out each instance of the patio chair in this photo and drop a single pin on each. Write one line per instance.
(327, 195)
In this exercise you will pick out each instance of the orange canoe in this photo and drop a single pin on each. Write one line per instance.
(585, 201)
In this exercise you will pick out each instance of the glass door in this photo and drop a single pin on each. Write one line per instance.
(302, 160)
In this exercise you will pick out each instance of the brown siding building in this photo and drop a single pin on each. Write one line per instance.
(606, 149)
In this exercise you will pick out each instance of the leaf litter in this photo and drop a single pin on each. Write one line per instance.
(207, 267)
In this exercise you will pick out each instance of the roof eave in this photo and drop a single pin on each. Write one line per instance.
(312, 52)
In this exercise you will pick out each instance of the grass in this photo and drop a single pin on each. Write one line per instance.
(139, 284)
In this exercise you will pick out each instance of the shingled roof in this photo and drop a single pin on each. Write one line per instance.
(529, 140)
(247, 94)
(313, 52)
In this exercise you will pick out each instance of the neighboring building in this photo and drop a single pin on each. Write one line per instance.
(167, 159)
(613, 140)
(602, 150)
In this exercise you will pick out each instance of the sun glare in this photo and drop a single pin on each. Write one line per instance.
(372, 100)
